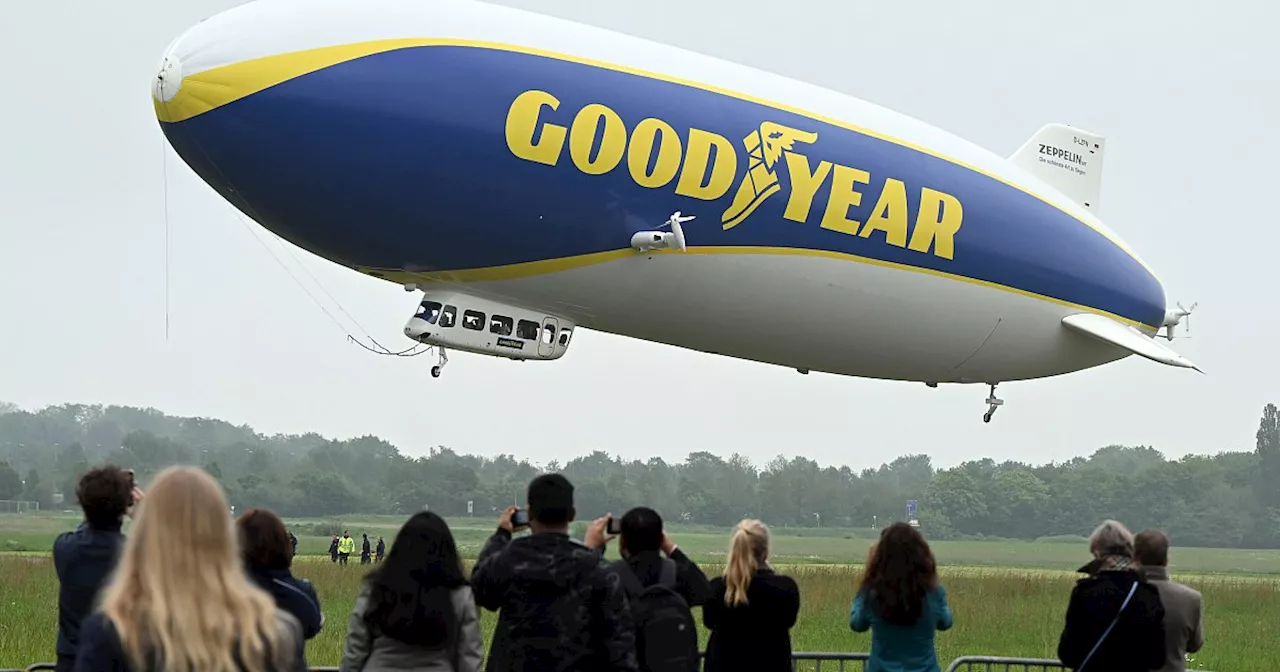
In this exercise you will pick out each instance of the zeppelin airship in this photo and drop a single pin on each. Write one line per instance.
(526, 176)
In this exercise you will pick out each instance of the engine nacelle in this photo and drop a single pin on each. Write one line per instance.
(458, 321)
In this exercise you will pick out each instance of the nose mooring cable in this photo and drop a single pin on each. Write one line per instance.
(377, 348)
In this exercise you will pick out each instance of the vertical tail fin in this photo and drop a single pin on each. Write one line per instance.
(1067, 159)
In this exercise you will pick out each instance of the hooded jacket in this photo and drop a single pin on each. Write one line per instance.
(561, 608)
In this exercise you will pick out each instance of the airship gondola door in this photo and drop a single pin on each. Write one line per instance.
(547, 339)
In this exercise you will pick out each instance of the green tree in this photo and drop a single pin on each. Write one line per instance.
(1268, 484)
(10, 482)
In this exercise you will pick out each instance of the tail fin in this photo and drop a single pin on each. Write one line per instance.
(1068, 159)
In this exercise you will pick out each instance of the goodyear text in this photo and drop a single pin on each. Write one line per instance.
(704, 165)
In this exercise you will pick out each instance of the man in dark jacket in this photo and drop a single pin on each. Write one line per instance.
(561, 608)
(380, 550)
(364, 551)
(85, 558)
(1183, 605)
(642, 547)
(1137, 640)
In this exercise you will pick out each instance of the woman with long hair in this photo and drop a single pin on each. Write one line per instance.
(179, 599)
(902, 602)
(752, 608)
(416, 610)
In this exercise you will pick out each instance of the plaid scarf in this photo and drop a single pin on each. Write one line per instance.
(1115, 563)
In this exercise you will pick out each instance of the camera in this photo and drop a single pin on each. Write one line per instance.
(132, 484)
(520, 518)
(614, 526)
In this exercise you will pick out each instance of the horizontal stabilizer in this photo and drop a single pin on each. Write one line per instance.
(1110, 331)
(1067, 159)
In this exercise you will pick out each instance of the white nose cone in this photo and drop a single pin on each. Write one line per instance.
(169, 80)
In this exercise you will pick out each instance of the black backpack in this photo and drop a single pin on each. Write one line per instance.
(666, 635)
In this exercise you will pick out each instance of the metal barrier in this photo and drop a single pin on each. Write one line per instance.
(800, 662)
(838, 662)
(804, 662)
(1001, 664)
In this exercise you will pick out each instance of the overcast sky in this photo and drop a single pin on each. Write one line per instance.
(1186, 94)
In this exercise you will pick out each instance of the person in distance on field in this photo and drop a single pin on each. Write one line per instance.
(560, 606)
(365, 551)
(902, 602)
(1114, 619)
(346, 546)
(1183, 606)
(751, 609)
(83, 559)
(666, 634)
(380, 551)
(333, 549)
(415, 611)
(180, 598)
(267, 558)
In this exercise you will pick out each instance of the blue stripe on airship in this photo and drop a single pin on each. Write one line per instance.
(399, 160)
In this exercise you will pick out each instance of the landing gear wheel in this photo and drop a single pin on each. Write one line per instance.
(439, 368)
(992, 404)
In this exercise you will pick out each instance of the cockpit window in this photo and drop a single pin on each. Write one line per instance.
(565, 336)
(429, 311)
(473, 320)
(548, 335)
(449, 317)
(500, 325)
(527, 330)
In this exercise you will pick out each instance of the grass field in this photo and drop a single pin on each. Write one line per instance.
(1008, 597)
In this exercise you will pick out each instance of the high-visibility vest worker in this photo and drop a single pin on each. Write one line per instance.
(347, 545)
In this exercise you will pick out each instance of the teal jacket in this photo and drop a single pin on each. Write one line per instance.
(896, 648)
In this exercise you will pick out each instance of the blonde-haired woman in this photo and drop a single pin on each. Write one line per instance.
(752, 608)
(179, 599)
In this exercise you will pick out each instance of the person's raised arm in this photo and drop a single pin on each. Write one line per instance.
(691, 580)
(859, 620)
(490, 576)
(942, 608)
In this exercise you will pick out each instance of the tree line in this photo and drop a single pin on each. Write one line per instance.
(1230, 499)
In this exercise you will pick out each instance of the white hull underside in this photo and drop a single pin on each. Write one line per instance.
(820, 314)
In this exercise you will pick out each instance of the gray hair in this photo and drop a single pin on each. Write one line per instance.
(1111, 538)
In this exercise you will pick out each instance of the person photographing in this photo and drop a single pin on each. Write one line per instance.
(84, 558)
(662, 584)
(559, 607)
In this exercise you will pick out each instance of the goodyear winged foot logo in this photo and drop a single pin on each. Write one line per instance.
(764, 148)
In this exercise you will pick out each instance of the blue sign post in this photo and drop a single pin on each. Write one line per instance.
(911, 513)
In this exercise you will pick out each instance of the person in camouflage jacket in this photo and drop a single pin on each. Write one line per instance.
(561, 607)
